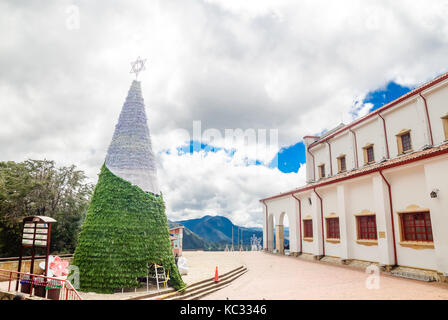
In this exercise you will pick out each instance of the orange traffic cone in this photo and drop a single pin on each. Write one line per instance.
(216, 275)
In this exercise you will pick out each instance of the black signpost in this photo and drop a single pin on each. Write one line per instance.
(36, 233)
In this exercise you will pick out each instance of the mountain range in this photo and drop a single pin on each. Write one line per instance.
(214, 233)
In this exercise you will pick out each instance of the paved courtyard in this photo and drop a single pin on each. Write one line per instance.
(280, 278)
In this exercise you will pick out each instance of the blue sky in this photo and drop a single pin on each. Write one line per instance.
(384, 95)
(290, 158)
(242, 64)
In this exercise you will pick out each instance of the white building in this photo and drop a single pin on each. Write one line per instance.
(377, 188)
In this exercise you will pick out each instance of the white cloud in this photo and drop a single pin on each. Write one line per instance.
(298, 67)
(217, 184)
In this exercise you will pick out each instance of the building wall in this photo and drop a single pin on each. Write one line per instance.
(330, 206)
(359, 199)
(371, 132)
(178, 243)
(307, 211)
(437, 101)
(343, 145)
(321, 156)
(436, 178)
(409, 114)
(410, 187)
(405, 196)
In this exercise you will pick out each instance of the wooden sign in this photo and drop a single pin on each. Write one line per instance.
(35, 234)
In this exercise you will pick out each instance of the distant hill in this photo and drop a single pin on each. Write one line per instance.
(215, 233)
(218, 229)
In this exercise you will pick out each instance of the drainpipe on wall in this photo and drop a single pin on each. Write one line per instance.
(322, 221)
(427, 118)
(314, 165)
(300, 221)
(391, 216)
(385, 135)
(356, 148)
(331, 165)
(267, 227)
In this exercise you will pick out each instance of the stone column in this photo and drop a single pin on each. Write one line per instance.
(280, 239)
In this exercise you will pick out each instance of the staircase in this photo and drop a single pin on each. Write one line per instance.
(200, 289)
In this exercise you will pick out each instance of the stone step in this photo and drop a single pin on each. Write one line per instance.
(205, 287)
(203, 294)
(193, 287)
(206, 293)
(413, 275)
(210, 287)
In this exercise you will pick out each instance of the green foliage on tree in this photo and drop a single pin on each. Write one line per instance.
(124, 230)
(38, 187)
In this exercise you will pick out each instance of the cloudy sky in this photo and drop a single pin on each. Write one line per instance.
(295, 67)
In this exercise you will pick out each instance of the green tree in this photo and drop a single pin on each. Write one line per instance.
(125, 229)
(15, 185)
(38, 187)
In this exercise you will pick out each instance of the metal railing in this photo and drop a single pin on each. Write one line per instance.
(39, 285)
(12, 259)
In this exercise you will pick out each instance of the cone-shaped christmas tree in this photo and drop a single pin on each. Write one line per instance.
(126, 227)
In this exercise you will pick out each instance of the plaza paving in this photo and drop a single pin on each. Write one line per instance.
(278, 277)
(287, 278)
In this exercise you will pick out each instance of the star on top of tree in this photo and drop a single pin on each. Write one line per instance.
(138, 66)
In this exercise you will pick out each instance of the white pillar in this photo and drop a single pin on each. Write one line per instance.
(383, 221)
(343, 227)
(354, 150)
(294, 234)
(436, 177)
(317, 225)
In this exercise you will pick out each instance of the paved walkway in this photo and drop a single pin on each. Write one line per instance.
(282, 278)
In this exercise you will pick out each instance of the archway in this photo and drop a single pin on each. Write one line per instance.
(282, 234)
